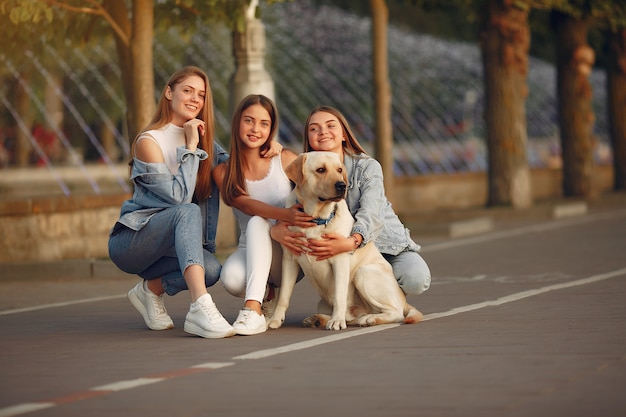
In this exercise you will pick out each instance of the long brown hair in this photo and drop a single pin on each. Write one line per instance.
(164, 115)
(234, 183)
(350, 145)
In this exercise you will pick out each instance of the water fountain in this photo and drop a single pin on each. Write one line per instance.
(436, 84)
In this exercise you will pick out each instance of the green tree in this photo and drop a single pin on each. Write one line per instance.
(132, 23)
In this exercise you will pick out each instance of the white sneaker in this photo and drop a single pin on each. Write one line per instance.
(204, 319)
(249, 322)
(150, 306)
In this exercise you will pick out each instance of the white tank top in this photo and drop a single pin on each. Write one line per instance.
(169, 137)
(273, 189)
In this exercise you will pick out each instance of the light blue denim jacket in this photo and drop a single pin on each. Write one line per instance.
(374, 217)
(156, 189)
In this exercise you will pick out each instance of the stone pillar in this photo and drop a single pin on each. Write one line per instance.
(250, 76)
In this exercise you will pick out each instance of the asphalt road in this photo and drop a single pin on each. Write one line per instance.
(525, 320)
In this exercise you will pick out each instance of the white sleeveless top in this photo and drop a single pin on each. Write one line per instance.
(273, 189)
(169, 137)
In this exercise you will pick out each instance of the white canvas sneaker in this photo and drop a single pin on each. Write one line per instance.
(249, 322)
(150, 306)
(205, 320)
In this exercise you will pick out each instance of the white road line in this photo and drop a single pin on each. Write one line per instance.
(19, 409)
(16, 410)
(61, 304)
(537, 228)
(260, 354)
(525, 294)
(213, 365)
(458, 310)
(124, 385)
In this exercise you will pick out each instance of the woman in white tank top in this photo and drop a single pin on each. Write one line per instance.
(257, 189)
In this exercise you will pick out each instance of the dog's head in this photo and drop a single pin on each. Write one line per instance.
(320, 178)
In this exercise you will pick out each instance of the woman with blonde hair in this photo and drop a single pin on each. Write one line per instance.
(166, 230)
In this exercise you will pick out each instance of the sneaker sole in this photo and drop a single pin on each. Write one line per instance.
(136, 302)
(250, 332)
(194, 329)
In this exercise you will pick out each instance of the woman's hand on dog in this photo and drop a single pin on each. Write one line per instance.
(298, 217)
(330, 245)
(294, 241)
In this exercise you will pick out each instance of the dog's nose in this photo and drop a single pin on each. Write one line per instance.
(340, 186)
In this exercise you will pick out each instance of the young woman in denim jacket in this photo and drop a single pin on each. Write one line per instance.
(326, 129)
(162, 235)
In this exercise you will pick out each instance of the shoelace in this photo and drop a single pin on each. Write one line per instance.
(212, 312)
(159, 307)
(244, 316)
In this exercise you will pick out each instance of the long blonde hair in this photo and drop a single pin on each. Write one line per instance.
(350, 145)
(234, 183)
(164, 115)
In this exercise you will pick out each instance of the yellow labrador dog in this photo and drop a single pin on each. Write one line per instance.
(359, 287)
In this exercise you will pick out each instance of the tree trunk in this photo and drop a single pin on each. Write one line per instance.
(616, 89)
(23, 107)
(142, 63)
(382, 94)
(574, 60)
(135, 59)
(505, 40)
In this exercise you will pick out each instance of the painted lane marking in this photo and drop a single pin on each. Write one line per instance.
(101, 390)
(24, 408)
(124, 385)
(260, 354)
(61, 304)
(557, 224)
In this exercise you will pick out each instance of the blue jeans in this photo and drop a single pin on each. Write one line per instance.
(164, 248)
(411, 271)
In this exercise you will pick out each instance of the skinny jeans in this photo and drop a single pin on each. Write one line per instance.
(411, 271)
(170, 242)
(257, 260)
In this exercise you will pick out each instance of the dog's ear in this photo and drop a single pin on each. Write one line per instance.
(294, 170)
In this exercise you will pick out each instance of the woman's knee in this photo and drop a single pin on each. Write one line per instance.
(187, 212)
(412, 273)
(233, 278)
(414, 284)
(258, 224)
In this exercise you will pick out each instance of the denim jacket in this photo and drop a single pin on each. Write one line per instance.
(156, 189)
(210, 207)
(374, 217)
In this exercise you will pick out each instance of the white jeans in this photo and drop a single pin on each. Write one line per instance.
(257, 259)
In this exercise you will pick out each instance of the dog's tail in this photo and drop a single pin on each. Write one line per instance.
(411, 314)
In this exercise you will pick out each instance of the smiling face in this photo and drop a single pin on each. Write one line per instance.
(324, 133)
(255, 126)
(186, 99)
(320, 179)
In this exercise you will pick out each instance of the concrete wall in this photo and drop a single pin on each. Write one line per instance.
(40, 229)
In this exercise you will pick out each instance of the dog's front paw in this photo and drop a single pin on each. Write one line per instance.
(336, 324)
(275, 322)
